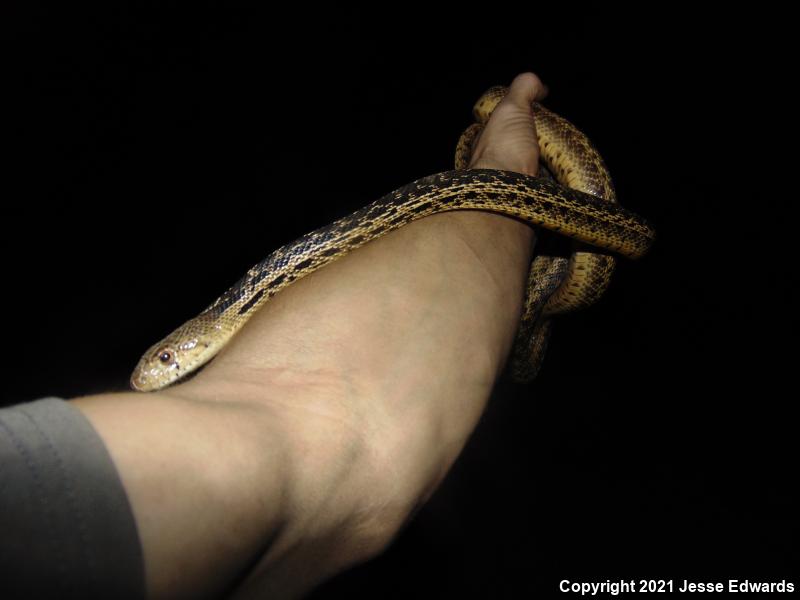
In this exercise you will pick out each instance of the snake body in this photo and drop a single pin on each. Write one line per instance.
(585, 211)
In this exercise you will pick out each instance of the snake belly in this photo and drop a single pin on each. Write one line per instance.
(583, 216)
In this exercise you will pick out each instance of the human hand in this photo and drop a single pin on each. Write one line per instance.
(509, 140)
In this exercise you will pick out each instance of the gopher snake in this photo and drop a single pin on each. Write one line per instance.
(584, 211)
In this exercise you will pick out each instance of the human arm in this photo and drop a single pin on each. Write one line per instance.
(310, 440)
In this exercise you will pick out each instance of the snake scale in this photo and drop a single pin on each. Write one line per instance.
(580, 205)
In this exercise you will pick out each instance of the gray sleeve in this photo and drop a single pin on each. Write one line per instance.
(66, 526)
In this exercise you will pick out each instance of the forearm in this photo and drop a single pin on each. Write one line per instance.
(205, 480)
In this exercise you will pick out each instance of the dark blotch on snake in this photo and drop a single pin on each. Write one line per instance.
(277, 281)
(249, 304)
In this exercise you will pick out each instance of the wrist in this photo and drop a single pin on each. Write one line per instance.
(316, 423)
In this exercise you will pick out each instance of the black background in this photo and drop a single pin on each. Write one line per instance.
(157, 152)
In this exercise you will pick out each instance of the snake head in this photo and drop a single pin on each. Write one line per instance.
(182, 352)
(163, 364)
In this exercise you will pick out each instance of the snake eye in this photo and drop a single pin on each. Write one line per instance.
(166, 357)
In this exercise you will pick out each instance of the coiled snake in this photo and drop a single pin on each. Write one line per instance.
(585, 211)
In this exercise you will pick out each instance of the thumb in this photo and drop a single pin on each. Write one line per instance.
(526, 89)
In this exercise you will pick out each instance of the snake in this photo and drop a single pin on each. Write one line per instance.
(574, 199)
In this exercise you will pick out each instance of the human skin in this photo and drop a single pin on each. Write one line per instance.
(313, 437)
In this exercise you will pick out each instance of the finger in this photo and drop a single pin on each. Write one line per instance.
(525, 89)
